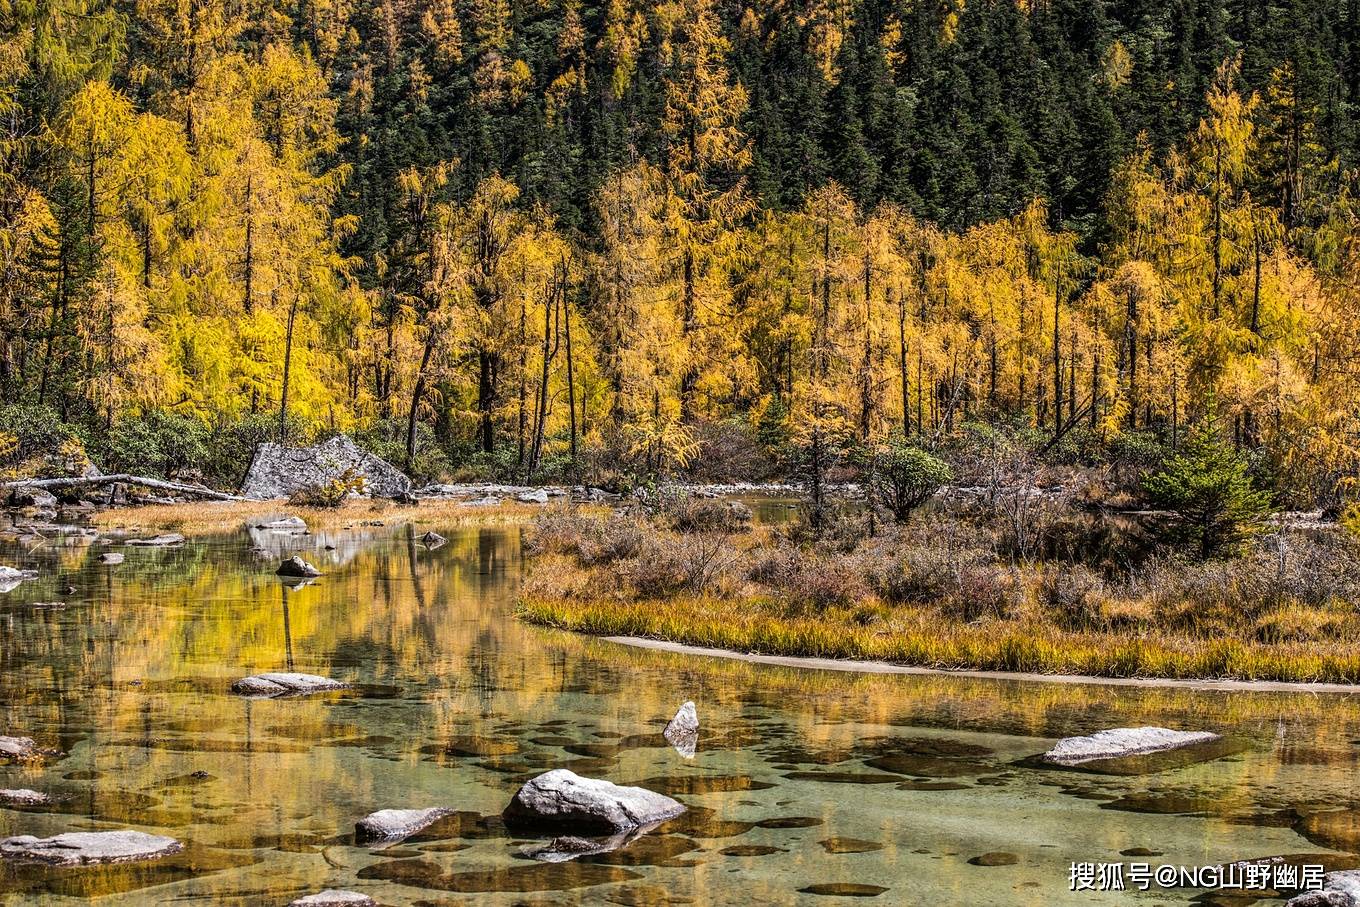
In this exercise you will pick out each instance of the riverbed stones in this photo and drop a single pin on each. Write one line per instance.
(1339, 889)
(1118, 743)
(562, 798)
(392, 825)
(23, 749)
(24, 797)
(279, 684)
(277, 471)
(110, 558)
(682, 732)
(296, 566)
(84, 848)
(334, 897)
(164, 540)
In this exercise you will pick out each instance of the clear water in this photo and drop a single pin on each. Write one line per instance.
(802, 778)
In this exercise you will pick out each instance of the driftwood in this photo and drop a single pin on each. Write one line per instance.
(124, 478)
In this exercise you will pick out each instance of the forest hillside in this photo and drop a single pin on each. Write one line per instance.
(546, 238)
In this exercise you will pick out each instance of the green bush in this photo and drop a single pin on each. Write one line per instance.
(157, 443)
(902, 477)
(1208, 486)
(28, 431)
(386, 438)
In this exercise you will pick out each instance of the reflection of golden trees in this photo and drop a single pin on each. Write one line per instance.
(132, 678)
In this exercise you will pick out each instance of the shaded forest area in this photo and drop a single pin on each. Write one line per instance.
(546, 238)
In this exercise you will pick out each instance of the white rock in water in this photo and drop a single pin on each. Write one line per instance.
(394, 824)
(11, 577)
(296, 566)
(563, 798)
(24, 797)
(110, 558)
(1123, 741)
(80, 848)
(432, 540)
(683, 730)
(22, 748)
(285, 684)
(159, 541)
(284, 524)
(334, 897)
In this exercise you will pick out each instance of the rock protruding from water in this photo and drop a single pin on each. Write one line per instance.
(1117, 743)
(285, 684)
(432, 540)
(296, 566)
(84, 848)
(562, 798)
(164, 540)
(683, 730)
(23, 749)
(392, 825)
(277, 472)
(334, 897)
(1339, 889)
(283, 524)
(110, 558)
(11, 577)
(24, 797)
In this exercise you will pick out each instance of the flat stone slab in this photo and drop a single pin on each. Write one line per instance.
(23, 797)
(285, 684)
(296, 566)
(1118, 743)
(23, 748)
(284, 524)
(158, 541)
(563, 798)
(84, 848)
(334, 897)
(392, 825)
(110, 558)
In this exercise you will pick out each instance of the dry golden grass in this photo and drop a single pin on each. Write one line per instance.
(207, 517)
(922, 637)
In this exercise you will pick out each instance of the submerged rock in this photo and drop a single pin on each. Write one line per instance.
(23, 749)
(296, 566)
(563, 798)
(334, 897)
(285, 684)
(573, 847)
(1117, 743)
(683, 730)
(110, 558)
(158, 541)
(1339, 889)
(392, 825)
(82, 848)
(277, 472)
(432, 540)
(23, 797)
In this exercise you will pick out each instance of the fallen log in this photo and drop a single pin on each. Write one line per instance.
(125, 479)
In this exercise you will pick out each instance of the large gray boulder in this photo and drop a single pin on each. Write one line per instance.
(1339, 889)
(1117, 743)
(297, 567)
(334, 897)
(562, 798)
(277, 472)
(82, 848)
(392, 825)
(281, 683)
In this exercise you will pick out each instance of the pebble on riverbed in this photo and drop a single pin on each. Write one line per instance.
(1117, 743)
(392, 825)
(683, 730)
(334, 897)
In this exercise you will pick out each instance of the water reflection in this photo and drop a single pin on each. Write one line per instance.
(806, 786)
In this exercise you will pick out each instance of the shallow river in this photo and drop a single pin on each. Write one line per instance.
(805, 782)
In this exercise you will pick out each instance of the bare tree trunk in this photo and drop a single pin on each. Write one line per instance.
(902, 362)
(571, 378)
(417, 391)
(287, 367)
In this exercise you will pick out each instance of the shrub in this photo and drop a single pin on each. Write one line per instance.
(696, 514)
(158, 442)
(386, 438)
(903, 477)
(332, 493)
(1209, 489)
(29, 433)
